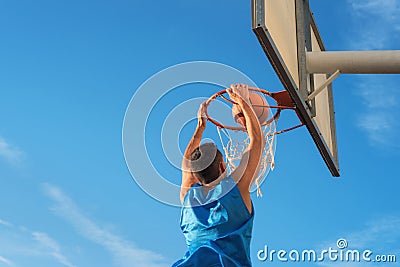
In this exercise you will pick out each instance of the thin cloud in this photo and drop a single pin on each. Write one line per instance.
(376, 95)
(381, 236)
(9, 152)
(382, 232)
(376, 23)
(379, 119)
(6, 261)
(5, 223)
(380, 128)
(387, 9)
(53, 247)
(22, 243)
(124, 252)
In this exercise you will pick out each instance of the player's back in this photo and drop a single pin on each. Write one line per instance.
(217, 226)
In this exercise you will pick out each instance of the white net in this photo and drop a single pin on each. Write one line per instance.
(235, 144)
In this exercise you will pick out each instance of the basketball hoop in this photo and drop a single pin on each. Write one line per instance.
(234, 147)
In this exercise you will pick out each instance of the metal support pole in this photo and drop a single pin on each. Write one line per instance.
(362, 62)
(324, 85)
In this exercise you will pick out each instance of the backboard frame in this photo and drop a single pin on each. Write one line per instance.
(305, 26)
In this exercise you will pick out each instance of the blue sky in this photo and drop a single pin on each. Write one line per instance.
(68, 72)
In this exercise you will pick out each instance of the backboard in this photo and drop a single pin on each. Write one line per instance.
(286, 30)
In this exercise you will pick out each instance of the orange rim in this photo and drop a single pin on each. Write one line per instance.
(274, 96)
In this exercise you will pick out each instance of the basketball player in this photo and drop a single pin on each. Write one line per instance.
(217, 214)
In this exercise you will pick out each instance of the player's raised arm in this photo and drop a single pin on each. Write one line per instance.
(248, 167)
(188, 179)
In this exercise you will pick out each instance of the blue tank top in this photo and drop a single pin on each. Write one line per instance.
(217, 226)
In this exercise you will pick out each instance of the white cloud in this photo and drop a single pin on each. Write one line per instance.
(124, 252)
(381, 236)
(23, 244)
(378, 234)
(53, 248)
(387, 9)
(376, 23)
(376, 95)
(380, 128)
(5, 223)
(6, 261)
(379, 119)
(9, 152)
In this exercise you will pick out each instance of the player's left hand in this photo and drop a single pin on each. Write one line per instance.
(201, 116)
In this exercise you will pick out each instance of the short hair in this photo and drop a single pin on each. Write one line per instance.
(205, 161)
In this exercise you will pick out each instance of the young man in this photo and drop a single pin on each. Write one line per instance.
(217, 213)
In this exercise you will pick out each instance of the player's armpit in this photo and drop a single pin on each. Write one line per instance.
(188, 180)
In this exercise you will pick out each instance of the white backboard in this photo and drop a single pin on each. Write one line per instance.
(286, 30)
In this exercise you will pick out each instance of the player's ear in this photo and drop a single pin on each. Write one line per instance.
(222, 167)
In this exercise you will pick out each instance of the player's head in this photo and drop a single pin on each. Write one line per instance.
(207, 163)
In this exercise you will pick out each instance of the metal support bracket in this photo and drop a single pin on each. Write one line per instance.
(258, 13)
(324, 85)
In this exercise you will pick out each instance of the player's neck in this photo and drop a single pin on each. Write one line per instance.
(210, 186)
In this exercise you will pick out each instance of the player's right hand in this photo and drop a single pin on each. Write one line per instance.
(238, 92)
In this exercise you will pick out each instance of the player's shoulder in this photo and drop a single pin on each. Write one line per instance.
(197, 195)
